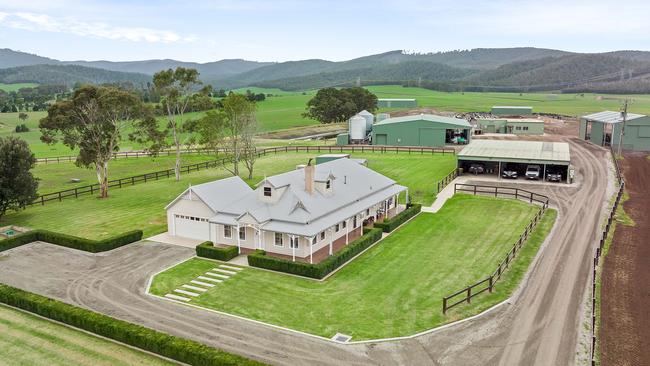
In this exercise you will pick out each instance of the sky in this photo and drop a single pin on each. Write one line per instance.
(283, 30)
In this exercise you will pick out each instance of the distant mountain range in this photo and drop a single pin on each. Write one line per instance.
(498, 69)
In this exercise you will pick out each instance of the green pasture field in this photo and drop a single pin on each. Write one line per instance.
(142, 206)
(393, 289)
(16, 86)
(29, 340)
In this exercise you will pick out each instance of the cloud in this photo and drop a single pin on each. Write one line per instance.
(46, 23)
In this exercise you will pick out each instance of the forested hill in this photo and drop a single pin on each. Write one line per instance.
(68, 75)
(481, 69)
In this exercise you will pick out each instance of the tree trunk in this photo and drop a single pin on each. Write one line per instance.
(177, 165)
(102, 178)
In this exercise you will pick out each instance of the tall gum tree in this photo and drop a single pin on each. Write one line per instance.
(176, 88)
(94, 120)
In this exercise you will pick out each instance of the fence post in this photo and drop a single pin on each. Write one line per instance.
(444, 305)
(491, 283)
(76, 195)
(469, 294)
(475, 189)
(91, 189)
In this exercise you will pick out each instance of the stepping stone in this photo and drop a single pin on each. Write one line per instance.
(219, 275)
(209, 279)
(195, 288)
(224, 271)
(202, 283)
(230, 267)
(176, 297)
(189, 293)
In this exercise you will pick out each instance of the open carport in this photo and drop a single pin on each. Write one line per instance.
(499, 155)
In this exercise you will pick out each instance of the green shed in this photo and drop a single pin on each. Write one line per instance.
(320, 159)
(421, 130)
(604, 129)
(397, 103)
(342, 139)
(516, 126)
(500, 110)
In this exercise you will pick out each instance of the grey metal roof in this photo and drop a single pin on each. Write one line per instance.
(354, 188)
(219, 194)
(426, 117)
(611, 117)
(517, 151)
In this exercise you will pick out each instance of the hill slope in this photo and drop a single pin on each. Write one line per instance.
(67, 75)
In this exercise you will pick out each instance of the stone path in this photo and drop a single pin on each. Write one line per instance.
(203, 283)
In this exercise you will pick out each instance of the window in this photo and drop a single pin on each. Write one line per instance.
(242, 233)
(267, 191)
(313, 241)
(336, 228)
(354, 222)
(328, 184)
(368, 212)
(294, 242)
(227, 231)
(322, 235)
(518, 128)
(278, 239)
(344, 224)
(525, 128)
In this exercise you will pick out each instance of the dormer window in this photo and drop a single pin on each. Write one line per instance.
(328, 184)
(267, 191)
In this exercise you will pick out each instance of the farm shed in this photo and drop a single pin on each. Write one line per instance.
(420, 130)
(500, 110)
(329, 157)
(397, 103)
(497, 155)
(342, 139)
(604, 129)
(517, 126)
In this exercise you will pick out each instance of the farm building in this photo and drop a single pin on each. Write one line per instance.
(517, 126)
(420, 130)
(397, 103)
(304, 215)
(604, 129)
(497, 155)
(512, 111)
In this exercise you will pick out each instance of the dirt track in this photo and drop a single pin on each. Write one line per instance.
(540, 327)
(625, 330)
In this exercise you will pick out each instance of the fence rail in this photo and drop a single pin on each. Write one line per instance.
(598, 252)
(152, 176)
(446, 180)
(466, 294)
(331, 148)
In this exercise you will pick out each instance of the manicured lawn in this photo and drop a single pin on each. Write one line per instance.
(396, 287)
(57, 176)
(28, 340)
(142, 206)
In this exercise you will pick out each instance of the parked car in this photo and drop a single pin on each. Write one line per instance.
(533, 172)
(553, 176)
(509, 172)
(477, 168)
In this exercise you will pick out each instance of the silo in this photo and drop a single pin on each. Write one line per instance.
(382, 116)
(357, 128)
(368, 117)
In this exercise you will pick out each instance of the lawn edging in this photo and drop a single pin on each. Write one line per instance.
(71, 241)
(259, 259)
(140, 337)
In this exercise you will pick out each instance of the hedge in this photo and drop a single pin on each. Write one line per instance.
(179, 349)
(74, 242)
(208, 250)
(319, 270)
(389, 225)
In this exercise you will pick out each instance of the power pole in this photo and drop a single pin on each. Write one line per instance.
(620, 138)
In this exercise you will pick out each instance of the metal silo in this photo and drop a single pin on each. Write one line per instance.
(370, 119)
(357, 128)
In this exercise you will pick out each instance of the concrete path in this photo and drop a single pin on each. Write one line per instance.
(541, 325)
(175, 240)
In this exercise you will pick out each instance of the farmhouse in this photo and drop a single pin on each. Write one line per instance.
(517, 126)
(496, 155)
(305, 214)
(420, 130)
(604, 129)
(397, 103)
(511, 111)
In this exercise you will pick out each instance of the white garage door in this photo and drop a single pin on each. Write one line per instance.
(192, 227)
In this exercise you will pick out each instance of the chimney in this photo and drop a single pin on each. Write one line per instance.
(309, 177)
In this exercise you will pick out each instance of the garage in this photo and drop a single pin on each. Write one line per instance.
(192, 227)
(530, 160)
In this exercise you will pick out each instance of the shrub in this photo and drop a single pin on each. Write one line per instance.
(391, 224)
(179, 349)
(208, 250)
(22, 128)
(69, 241)
(319, 270)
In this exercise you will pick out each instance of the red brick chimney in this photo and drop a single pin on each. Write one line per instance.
(309, 178)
